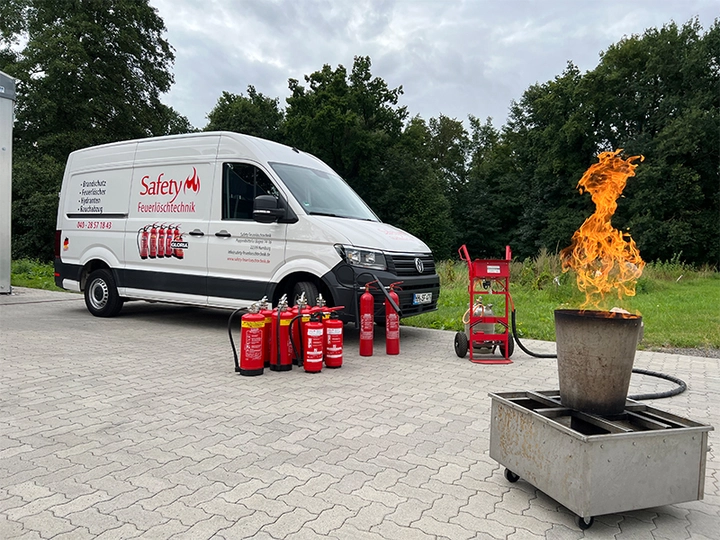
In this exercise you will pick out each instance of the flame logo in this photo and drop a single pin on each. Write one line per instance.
(192, 182)
(604, 258)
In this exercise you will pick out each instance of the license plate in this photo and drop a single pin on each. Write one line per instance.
(422, 298)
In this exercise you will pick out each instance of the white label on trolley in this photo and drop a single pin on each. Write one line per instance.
(493, 269)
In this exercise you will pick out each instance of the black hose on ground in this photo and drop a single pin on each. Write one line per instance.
(526, 351)
(679, 389)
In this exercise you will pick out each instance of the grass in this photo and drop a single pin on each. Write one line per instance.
(32, 274)
(680, 305)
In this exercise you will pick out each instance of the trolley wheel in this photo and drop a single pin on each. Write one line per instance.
(585, 522)
(511, 347)
(511, 476)
(461, 344)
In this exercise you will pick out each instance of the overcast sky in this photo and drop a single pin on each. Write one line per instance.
(451, 57)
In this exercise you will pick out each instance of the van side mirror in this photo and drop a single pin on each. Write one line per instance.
(266, 209)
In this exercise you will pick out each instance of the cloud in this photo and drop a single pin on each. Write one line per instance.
(451, 57)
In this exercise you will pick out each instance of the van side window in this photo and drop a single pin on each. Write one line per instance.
(243, 182)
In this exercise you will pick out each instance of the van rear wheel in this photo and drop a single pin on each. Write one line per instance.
(101, 295)
(307, 287)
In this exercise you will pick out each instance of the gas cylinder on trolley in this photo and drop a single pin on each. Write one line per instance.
(333, 340)
(392, 322)
(266, 311)
(367, 321)
(280, 346)
(251, 342)
(143, 242)
(313, 333)
(152, 252)
(479, 310)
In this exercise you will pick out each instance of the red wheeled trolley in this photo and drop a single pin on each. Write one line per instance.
(489, 280)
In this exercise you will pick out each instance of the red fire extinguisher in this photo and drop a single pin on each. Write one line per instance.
(367, 321)
(153, 241)
(266, 311)
(301, 316)
(333, 341)
(392, 322)
(144, 240)
(177, 237)
(161, 241)
(251, 342)
(313, 339)
(280, 353)
(168, 241)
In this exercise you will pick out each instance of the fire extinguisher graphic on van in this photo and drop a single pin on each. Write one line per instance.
(143, 241)
(160, 241)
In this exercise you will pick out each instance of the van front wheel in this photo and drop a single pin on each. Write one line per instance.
(307, 287)
(101, 295)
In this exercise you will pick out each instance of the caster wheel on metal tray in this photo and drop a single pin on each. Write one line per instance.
(461, 344)
(511, 476)
(585, 523)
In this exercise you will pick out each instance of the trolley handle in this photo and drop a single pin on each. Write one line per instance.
(464, 255)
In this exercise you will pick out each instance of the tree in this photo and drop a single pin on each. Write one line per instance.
(661, 100)
(90, 72)
(347, 120)
(254, 114)
(413, 195)
(549, 133)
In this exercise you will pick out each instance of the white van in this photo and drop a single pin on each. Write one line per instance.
(220, 219)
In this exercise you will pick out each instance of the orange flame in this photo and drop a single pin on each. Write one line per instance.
(604, 258)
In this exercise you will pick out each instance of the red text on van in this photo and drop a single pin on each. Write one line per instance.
(169, 187)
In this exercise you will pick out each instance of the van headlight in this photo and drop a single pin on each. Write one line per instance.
(363, 258)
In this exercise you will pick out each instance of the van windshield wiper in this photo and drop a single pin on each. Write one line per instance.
(338, 216)
(325, 214)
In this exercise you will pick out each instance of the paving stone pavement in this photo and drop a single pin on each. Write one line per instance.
(138, 427)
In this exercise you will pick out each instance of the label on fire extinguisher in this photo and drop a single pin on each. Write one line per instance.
(366, 327)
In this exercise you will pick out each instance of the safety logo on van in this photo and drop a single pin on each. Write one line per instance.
(168, 188)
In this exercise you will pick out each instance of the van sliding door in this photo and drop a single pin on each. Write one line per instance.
(243, 254)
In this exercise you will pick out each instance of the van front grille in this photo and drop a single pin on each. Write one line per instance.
(404, 264)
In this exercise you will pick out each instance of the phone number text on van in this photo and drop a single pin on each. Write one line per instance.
(94, 225)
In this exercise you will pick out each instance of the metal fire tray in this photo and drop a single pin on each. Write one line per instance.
(596, 465)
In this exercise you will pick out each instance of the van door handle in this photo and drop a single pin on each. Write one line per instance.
(223, 234)
(196, 232)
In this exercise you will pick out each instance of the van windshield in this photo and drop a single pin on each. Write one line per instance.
(322, 193)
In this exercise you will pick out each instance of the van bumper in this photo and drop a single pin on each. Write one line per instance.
(347, 284)
(65, 273)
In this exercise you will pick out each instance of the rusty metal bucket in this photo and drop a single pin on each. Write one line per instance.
(595, 355)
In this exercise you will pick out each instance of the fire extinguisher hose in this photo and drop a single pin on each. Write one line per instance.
(387, 296)
(298, 353)
(232, 341)
(679, 389)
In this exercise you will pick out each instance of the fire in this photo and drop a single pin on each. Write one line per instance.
(604, 258)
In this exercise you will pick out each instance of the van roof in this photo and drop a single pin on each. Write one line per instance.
(123, 152)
